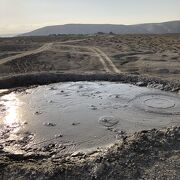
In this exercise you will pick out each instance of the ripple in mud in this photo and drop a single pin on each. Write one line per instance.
(158, 103)
(83, 115)
(108, 121)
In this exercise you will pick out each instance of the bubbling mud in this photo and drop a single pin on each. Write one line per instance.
(80, 115)
(158, 103)
(108, 121)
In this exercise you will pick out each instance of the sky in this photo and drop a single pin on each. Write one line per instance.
(19, 16)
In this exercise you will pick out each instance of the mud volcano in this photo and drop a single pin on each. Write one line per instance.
(158, 103)
(82, 115)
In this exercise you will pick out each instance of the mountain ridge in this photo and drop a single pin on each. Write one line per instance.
(145, 28)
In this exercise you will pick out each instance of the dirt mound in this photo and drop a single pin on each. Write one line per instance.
(25, 80)
(152, 154)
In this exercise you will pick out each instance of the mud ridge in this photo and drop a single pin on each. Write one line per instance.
(25, 80)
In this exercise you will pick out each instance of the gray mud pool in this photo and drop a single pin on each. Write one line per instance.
(82, 115)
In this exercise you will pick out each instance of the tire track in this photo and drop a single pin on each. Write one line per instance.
(107, 60)
(45, 47)
(106, 68)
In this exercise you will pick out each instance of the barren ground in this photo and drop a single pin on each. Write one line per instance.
(143, 60)
(150, 55)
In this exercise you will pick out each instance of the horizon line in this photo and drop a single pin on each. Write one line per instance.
(18, 33)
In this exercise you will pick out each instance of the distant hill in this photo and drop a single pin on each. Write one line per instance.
(150, 28)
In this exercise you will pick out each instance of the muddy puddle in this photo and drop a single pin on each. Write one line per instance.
(81, 115)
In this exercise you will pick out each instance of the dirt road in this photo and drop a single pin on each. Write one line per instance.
(101, 59)
(106, 62)
(45, 47)
(27, 53)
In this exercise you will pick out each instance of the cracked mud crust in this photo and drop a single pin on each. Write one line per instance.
(149, 154)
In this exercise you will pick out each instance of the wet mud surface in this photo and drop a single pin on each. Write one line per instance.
(66, 118)
(149, 154)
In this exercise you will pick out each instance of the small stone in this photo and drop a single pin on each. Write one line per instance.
(121, 132)
(38, 113)
(50, 101)
(53, 88)
(116, 96)
(93, 107)
(49, 124)
(109, 129)
(159, 86)
(92, 152)
(58, 135)
(53, 156)
(140, 83)
(176, 89)
(61, 146)
(75, 123)
(77, 154)
(115, 130)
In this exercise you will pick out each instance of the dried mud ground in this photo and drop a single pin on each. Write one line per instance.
(144, 60)
(147, 55)
(152, 154)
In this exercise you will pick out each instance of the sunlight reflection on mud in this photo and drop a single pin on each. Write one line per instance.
(11, 104)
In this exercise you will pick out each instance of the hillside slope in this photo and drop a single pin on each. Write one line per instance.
(151, 28)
